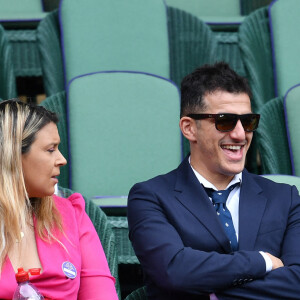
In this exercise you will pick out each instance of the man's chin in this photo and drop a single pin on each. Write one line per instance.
(233, 169)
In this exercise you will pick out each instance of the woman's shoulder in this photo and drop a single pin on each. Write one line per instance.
(73, 202)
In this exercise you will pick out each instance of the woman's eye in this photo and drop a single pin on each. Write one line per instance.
(51, 150)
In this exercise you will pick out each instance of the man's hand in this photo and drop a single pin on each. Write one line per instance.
(276, 262)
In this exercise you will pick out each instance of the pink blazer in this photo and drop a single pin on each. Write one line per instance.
(81, 272)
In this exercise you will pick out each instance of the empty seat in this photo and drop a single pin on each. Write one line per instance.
(288, 179)
(256, 54)
(292, 108)
(48, 42)
(126, 253)
(123, 128)
(272, 139)
(213, 11)
(138, 294)
(99, 35)
(25, 10)
(7, 76)
(191, 44)
(248, 7)
(285, 23)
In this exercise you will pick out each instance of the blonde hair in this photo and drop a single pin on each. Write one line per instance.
(19, 123)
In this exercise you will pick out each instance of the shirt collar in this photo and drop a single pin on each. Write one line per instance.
(207, 184)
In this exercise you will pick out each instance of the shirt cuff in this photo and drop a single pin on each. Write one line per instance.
(268, 261)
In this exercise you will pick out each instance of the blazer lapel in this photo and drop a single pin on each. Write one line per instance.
(193, 197)
(251, 209)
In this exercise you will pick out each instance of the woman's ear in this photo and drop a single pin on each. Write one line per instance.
(188, 128)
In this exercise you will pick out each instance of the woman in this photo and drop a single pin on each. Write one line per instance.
(37, 228)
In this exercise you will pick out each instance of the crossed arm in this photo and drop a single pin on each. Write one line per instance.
(172, 265)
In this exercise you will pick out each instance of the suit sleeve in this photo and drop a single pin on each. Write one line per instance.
(169, 263)
(282, 283)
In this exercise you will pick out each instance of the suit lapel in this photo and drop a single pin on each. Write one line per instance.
(251, 209)
(193, 197)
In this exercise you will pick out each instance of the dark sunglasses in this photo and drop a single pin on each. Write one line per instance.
(227, 122)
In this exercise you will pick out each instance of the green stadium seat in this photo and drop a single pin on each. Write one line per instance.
(48, 42)
(228, 50)
(126, 253)
(114, 35)
(119, 136)
(26, 60)
(284, 24)
(138, 294)
(292, 108)
(248, 7)
(191, 44)
(7, 76)
(256, 54)
(211, 12)
(194, 43)
(288, 179)
(21, 11)
(272, 139)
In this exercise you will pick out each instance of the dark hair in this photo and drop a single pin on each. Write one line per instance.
(209, 79)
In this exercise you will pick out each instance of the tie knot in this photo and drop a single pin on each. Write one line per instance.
(220, 196)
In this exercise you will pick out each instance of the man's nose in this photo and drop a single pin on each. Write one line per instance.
(238, 132)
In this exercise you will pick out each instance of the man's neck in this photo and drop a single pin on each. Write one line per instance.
(219, 181)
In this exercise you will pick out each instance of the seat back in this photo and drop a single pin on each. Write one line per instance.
(247, 7)
(192, 44)
(256, 54)
(272, 139)
(48, 43)
(7, 77)
(99, 35)
(123, 128)
(15, 10)
(213, 11)
(138, 294)
(289, 179)
(284, 24)
(292, 108)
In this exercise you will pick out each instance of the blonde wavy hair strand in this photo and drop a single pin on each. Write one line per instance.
(19, 124)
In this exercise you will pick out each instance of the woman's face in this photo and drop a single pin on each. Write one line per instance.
(41, 164)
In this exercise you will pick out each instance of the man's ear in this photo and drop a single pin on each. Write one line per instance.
(188, 128)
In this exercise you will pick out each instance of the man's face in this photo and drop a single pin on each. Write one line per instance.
(215, 154)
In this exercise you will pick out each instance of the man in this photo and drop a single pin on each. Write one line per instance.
(192, 245)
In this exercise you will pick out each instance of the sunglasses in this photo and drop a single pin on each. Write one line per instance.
(227, 122)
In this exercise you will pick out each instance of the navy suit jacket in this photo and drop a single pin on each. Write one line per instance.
(185, 253)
